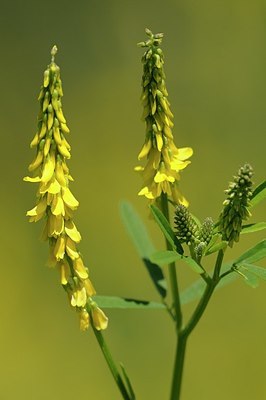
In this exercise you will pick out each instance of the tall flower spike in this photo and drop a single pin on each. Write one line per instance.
(56, 203)
(164, 159)
(236, 205)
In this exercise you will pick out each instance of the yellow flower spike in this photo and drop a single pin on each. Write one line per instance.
(71, 249)
(84, 320)
(89, 287)
(164, 159)
(100, 321)
(55, 202)
(80, 269)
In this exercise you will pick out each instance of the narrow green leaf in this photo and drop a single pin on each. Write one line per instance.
(254, 254)
(129, 386)
(258, 195)
(249, 278)
(136, 230)
(139, 235)
(254, 269)
(166, 229)
(259, 226)
(126, 303)
(167, 257)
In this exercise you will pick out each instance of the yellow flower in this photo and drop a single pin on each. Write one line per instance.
(164, 159)
(100, 321)
(55, 202)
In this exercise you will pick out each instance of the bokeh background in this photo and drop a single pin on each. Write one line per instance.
(215, 64)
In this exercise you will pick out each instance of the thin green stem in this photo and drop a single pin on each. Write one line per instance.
(111, 364)
(172, 270)
(178, 367)
(206, 296)
(185, 332)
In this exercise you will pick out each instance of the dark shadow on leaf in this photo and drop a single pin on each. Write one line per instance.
(157, 276)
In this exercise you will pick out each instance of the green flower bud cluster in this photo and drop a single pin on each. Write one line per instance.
(236, 205)
(204, 237)
(186, 228)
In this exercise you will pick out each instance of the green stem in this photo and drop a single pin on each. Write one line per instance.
(206, 296)
(172, 270)
(179, 366)
(112, 366)
(184, 333)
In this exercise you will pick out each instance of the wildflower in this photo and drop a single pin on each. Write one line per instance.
(164, 159)
(236, 205)
(55, 201)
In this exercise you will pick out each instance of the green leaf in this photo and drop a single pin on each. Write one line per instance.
(260, 272)
(166, 229)
(213, 247)
(136, 230)
(139, 235)
(258, 195)
(254, 254)
(249, 278)
(259, 226)
(126, 303)
(167, 257)
(129, 386)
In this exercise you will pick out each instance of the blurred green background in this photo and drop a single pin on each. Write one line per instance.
(215, 64)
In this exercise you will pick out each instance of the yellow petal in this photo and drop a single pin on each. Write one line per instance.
(64, 272)
(184, 153)
(84, 320)
(72, 231)
(58, 207)
(59, 173)
(69, 199)
(29, 179)
(80, 269)
(59, 249)
(35, 140)
(145, 149)
(56, 225)
(39, 210)
(52, 187)
(79, 298)
(100, 320)
(71, 249)
(89, 287)
(159, 141)
(37, 162)
(48, 169)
